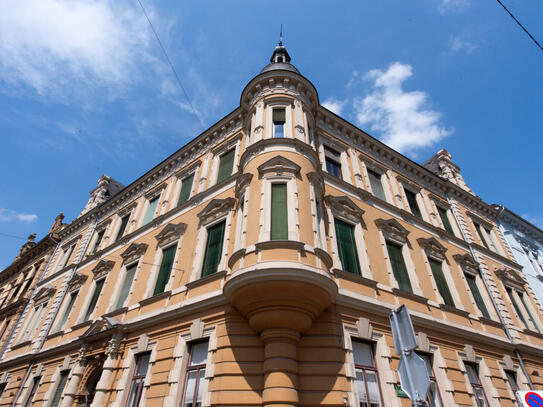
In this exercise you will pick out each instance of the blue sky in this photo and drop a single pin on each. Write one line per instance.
(86, 91)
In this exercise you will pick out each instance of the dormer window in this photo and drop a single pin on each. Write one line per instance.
(279, 123)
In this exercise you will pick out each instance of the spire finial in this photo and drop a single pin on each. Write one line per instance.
(281, 36)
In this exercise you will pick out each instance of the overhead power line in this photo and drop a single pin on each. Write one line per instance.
(13, 236)
(520, 25)
(171, 66)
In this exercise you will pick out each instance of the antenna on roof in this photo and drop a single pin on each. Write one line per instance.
(281, 36)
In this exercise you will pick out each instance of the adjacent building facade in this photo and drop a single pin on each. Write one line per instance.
(258, 265)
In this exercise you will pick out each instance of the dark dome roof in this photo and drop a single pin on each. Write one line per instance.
(280, 60)
(281, 66)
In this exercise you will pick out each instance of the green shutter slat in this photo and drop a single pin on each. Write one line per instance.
(165, 269)
(399, 269)
(441, 282)
(445, 219)
(60, 388)
(347, 247)
(521, 296)
(212, 258)
(376, 185)
(151, 209)
(226, 166)
(472, 283)
(127, 284)
(279, 217)
(94, 299)
(186, 187)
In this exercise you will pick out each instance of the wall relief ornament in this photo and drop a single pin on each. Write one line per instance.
(344, 207)
(433, 248)
(170, 233)
(242, 182)
(133, 252)
(77, 281)
(102, 268)
(216, 209)
(510, 276)
(44, 293)
(393, 230)
(467, 263)
(278, 165)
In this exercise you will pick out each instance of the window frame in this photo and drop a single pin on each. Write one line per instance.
(121, 231)
(134, 377)
(401, 247)
(192, 175)
(32, 391)
(66, 308)
(374, 368)
(198, 368)
(88, 313)
(57, 384)
(156, 274)
(205, 248)
(432, 376)
(278, 123)
(279, 228)
(155, 197)
(478, 385)
(116, 297)
(333, 157)
(342, 159)
(414, 192)
(445, 212)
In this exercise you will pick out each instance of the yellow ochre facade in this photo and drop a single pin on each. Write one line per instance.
(258, 265)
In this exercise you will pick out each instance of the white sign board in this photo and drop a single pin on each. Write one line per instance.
(531, 398)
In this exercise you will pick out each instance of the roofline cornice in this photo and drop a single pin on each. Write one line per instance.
(519, 222)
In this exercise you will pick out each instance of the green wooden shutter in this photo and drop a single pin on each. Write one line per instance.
(186, 187)
(472, 283)
(516, 306)
(279, 217)
(212, 258)
(445, 219)
(441, 282)
(226, 165)
(127, 284)
(94, 299)
(413, 204)
(347, 247)
(60, 388)
(398, 267)
(480, 233)
(151, 209)
(376, 185)
(165, 269)
(521, 296)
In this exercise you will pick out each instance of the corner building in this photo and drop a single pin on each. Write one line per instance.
(258, 265)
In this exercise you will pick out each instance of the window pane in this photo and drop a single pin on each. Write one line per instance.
(362, 354)
(441, 282)
(445, 220)
(413, 204)
(433, 396)
(226, 165)
(398, 267)
(213, 253)
(73, 297)
(60, 388)
(480, 397)
(99, 240)
(480, 233)
(278, 115)
(516, 306)
(333, 168)
(127, 284)
(94, 299)
(165, 269)
(347, 247)
(190, 386)
(511, 379)
(472, 373)
(186, 187)
(521, 296)
(201, 386)
(279, 217)
(373, 388)
(151, 209)
(278, 130)
(135, 393)
(142, 364)
(472, 283)
(376, 185)
(124, 222)
(361, 387)
(198, 353)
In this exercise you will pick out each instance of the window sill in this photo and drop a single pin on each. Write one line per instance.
(238, 254)
(116, 312)
(21, 345)
(154, 298)
(324, 256)
(454, 310)
(412, 296)
(82, 325)
(533, 333)
(355, 277)
(204, 280)
(490, 322)
(55, 334)
(279, 244)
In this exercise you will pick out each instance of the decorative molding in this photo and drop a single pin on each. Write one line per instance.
(433, 248)
(44, 293)
(469, 354)
(510, 277)
(242, 182)
(344, 207)
(76, 281)
(423, 342)
(196, 329)
(215, 210)
(102, 268)
(102, 325)
(393, 230)
(170, 233)
(364, 328)
(279, 165)
(317, 180)
(268, 144)
(467, 263)
(133, 252)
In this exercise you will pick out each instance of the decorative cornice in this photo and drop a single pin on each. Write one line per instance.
(467, 263)
(133, 252)
(262, 146)
(170, 233)
(279, 165)
(216, 209)
(433, 248)
(102, 268)
(510, 277)
(44, 293)
(393, 230)
(344, 207)
(77, 281)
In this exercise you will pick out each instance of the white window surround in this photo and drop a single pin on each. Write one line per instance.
(292, 206)
(233, 143)
(484, 375)
(434, 250)
(176, 379)
(55, 380)
(317, 208)
(28, 385)
(343, 156)
(344, 209)
(129, 364)
(278, 103)
(363, 331)
(467, 265)
(368, 165)
(392, 231)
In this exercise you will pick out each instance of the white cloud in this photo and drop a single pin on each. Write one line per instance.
(448, 5)
(334, 105)
(402, 118)
(62, 47)
(458, 43)
(7, 215)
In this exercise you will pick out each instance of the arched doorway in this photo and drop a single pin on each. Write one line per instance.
(87, 388)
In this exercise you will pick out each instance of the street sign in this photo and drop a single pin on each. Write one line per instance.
(531, 398)
(414, 376)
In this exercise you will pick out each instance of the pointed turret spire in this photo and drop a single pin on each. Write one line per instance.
(280, 58)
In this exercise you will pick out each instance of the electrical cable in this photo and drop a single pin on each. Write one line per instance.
(13, 236)
(520, 25)
(171, 66)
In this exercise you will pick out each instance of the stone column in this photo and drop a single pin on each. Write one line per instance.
(102, 387)
(77, 372)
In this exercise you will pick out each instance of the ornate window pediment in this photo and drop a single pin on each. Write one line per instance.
(216, 209)
(43, 294)
(77, 281)
(510, 277)
(101, 325)
(344, 207)
(133, 252)
(170, 233)
(102, 268)
(467, 263)
(393, 230)
(278, 165)
(241, 183)
(433, 248)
